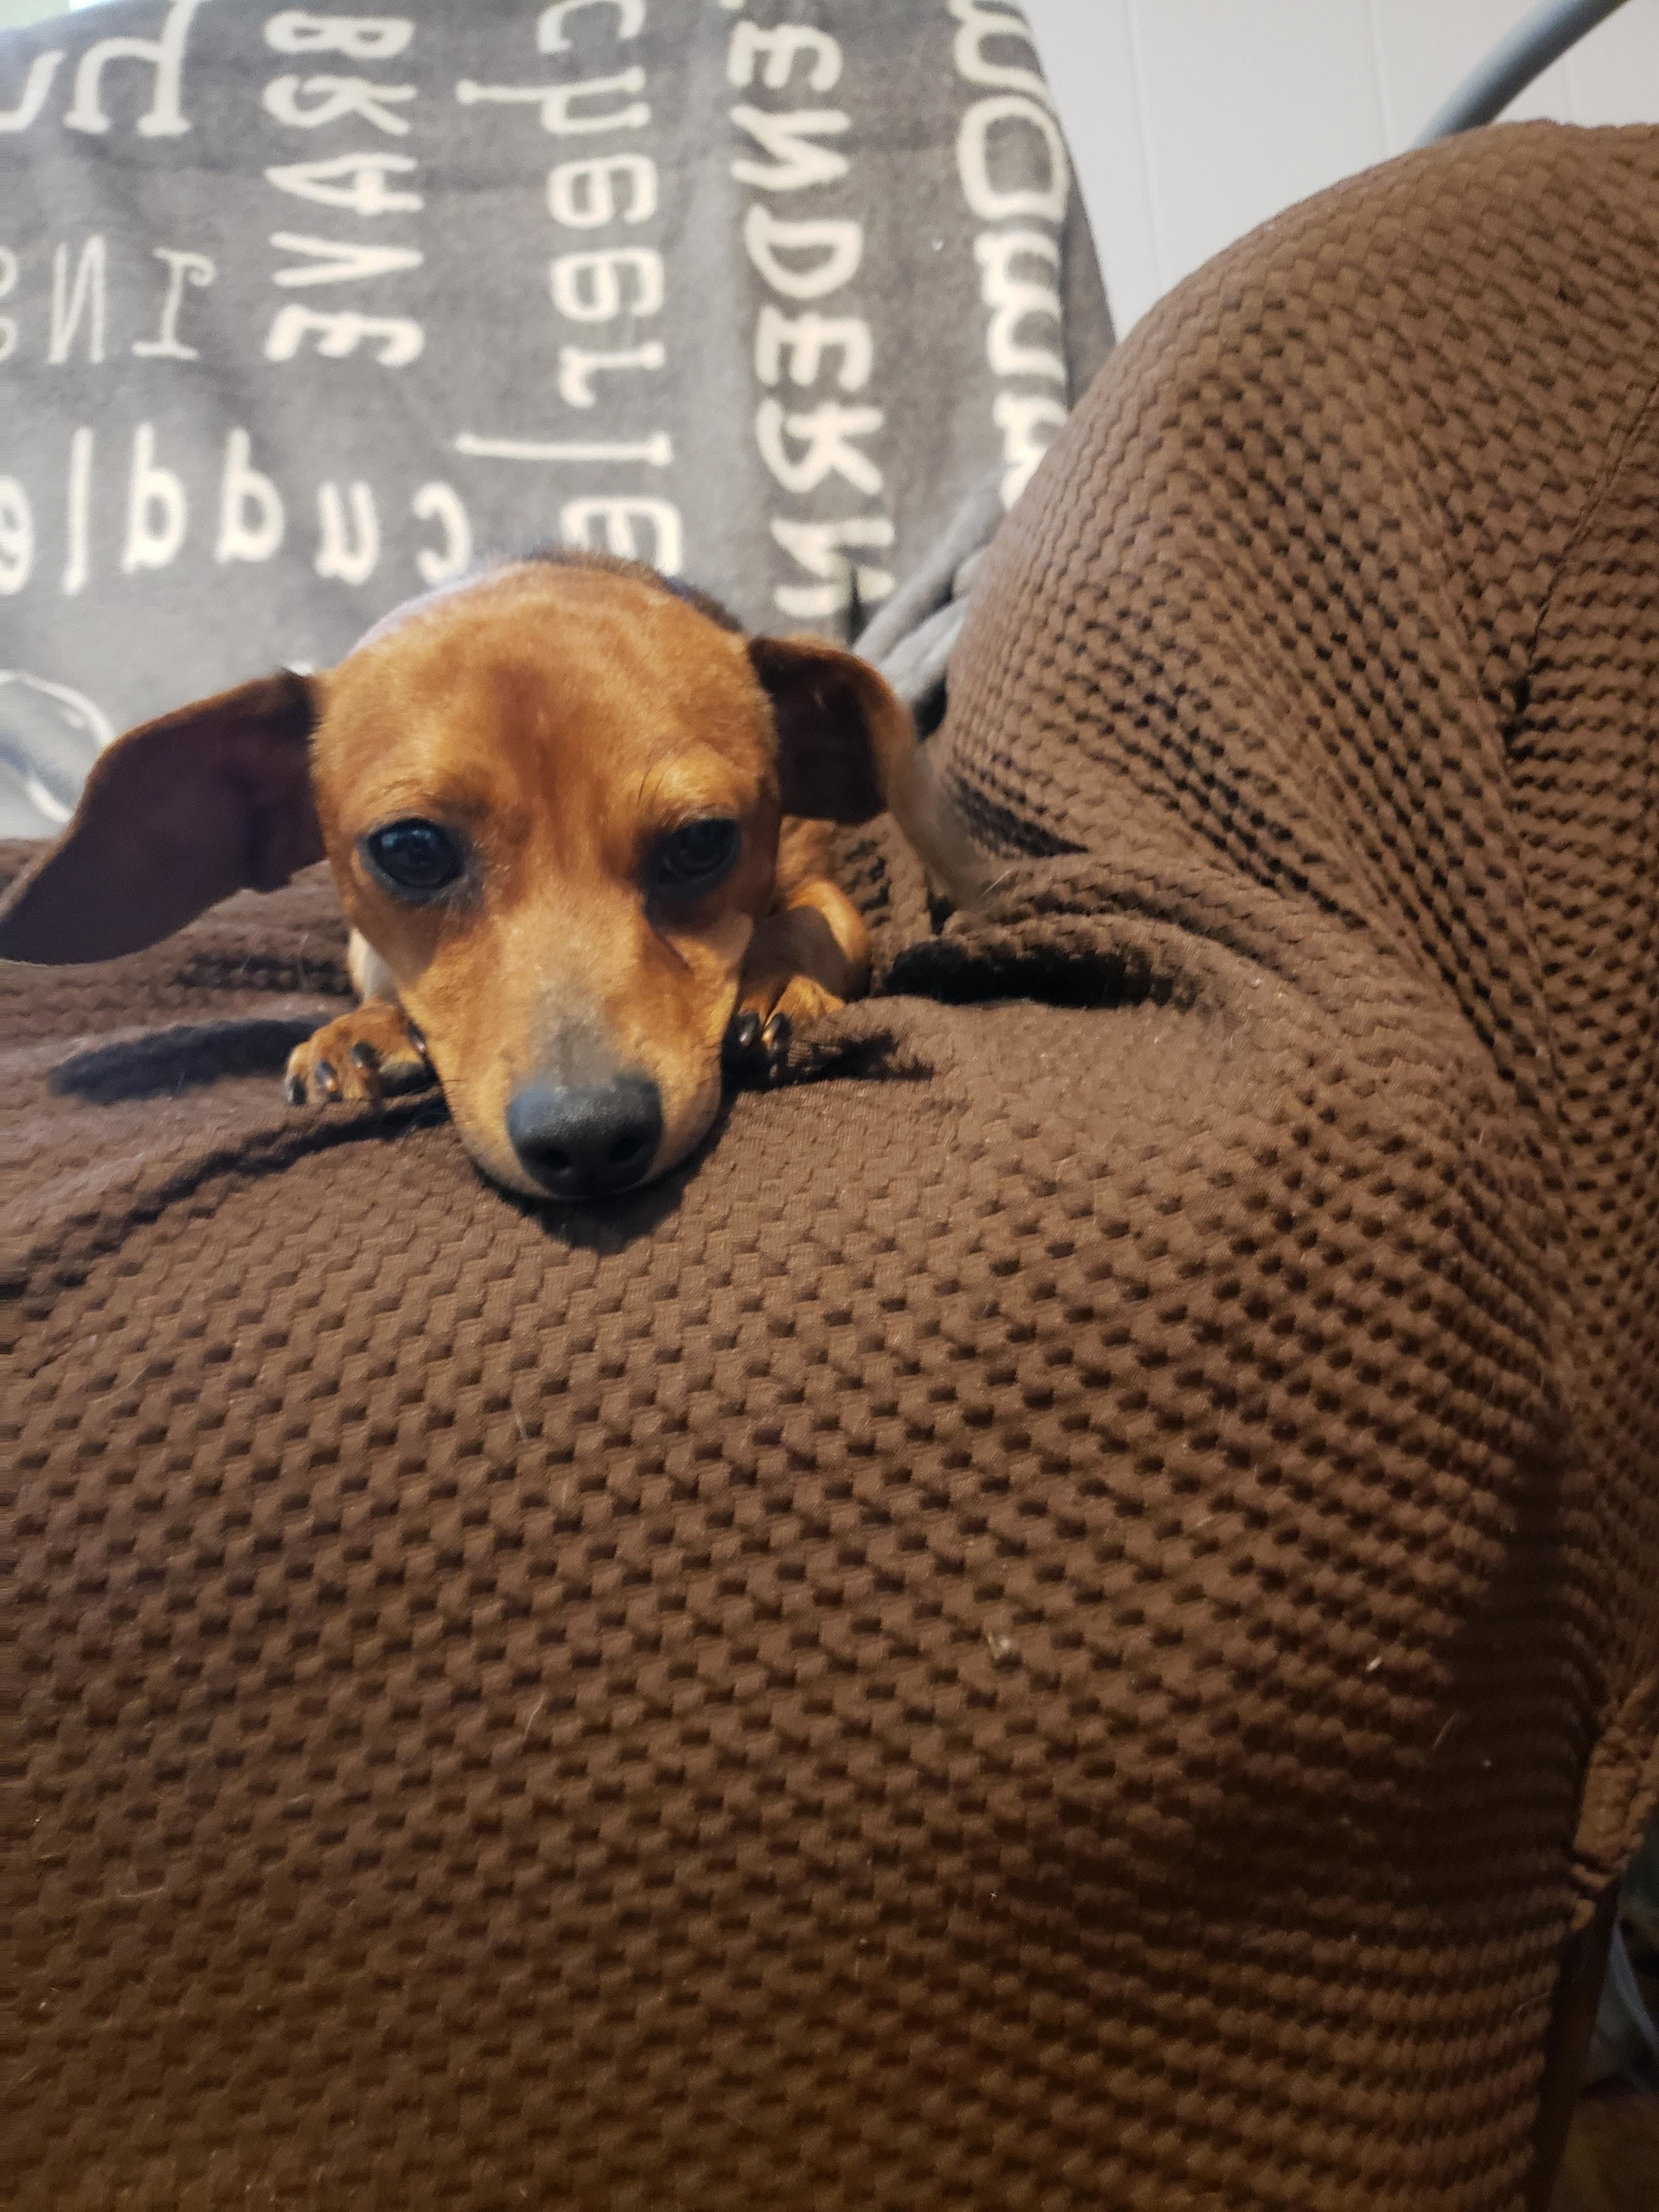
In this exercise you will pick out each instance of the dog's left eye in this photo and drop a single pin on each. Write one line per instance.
(695, 857)
(416, 858)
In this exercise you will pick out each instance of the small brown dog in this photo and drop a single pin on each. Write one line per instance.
(574, 813)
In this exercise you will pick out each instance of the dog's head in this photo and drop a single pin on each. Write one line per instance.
(551, 798)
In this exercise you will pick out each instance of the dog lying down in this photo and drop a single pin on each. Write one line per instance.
(575, 816)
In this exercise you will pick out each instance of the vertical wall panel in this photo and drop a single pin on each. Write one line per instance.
(1427, 47)
(1248, 108)
(1192, 120)
(1089, 54)
(1616, 69)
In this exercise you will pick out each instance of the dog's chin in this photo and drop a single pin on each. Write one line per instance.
(686, 1122)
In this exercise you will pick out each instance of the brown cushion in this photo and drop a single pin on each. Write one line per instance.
(1062, 1620)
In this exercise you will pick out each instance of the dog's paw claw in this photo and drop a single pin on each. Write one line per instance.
(775, 1040)
(742, 1050)
(367, 1061)
(762, 1031)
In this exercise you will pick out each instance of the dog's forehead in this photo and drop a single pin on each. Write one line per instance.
(556, 656)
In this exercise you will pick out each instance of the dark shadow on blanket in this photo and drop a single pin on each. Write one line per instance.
(609, 1226)
(1090, 973)
(165, 1062)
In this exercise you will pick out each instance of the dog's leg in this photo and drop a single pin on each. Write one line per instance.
(373, 1049)
(805, 959)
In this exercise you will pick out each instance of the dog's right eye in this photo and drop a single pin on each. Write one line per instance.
(417, 860)
(695, 857)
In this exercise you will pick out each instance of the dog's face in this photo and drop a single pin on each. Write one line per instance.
(551, 797)
(561, 855)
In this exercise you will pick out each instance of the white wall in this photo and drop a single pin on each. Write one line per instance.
(1192, 120)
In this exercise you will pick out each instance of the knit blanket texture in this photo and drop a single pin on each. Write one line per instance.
(1069, 1616)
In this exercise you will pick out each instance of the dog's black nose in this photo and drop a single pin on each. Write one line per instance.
(586, 1141)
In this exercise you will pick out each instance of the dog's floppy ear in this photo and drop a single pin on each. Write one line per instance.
(175, 815)
(848, 751)
(842, 731)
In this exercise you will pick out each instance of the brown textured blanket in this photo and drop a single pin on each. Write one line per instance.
(1067, 1617)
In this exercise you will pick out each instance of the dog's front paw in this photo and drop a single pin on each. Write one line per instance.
(770, 1009)
(373, 1049)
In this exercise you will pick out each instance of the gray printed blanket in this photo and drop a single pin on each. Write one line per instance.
(301, 309)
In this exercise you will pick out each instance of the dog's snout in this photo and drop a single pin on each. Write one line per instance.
(586, 1140)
